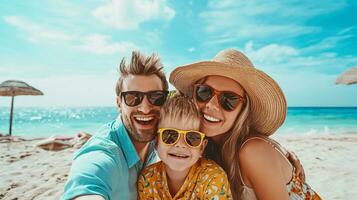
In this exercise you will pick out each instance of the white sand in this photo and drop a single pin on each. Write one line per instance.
(28, 172)
(330, 163)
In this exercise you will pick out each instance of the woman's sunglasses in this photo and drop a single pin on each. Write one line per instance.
(134, 98)
(228, 100)
(171, 136)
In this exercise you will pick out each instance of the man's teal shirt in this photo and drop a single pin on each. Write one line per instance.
(107, 165)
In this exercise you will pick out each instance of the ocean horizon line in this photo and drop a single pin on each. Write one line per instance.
(341, 107)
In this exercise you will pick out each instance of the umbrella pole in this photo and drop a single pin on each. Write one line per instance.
(12, 108)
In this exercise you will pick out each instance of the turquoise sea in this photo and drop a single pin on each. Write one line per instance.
(39, 121)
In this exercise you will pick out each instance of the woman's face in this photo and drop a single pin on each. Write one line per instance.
(216, 120)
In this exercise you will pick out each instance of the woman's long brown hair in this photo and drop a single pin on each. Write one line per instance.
(228, 155)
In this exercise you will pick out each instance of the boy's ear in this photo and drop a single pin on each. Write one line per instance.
(119, 103)
(203, 146)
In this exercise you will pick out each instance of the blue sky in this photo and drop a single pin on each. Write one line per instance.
(71, 50)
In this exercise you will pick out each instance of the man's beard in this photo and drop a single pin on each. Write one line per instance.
(141, 136)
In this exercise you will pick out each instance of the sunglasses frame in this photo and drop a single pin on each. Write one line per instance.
(217, 93)
(142, 95)
(181, 132)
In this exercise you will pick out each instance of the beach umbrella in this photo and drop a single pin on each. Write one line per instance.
(15, 88)
(348, 77)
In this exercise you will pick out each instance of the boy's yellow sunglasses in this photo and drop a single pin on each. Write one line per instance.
(171, 136)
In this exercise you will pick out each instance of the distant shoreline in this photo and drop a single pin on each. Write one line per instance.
(46, 121)
(58, 107)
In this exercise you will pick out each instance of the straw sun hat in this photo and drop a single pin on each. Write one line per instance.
(267, 101)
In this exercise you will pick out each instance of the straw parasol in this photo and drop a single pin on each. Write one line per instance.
(15, 88)
(348, 77)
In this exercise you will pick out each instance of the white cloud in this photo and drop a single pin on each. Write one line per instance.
(219, 31)
(260, 31)
(94, 43)
(296, 8)
(101, 44)
(128, 14)
(328, 42)
(229, 21)
(71, 90)
(19, 69)
(271, 53)
(37, 33)
(311, 88)
(305, 79)
(346, 30)
(192, 49)
(277, 59)
(9, 69)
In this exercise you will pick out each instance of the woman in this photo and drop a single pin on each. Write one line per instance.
(241, 106)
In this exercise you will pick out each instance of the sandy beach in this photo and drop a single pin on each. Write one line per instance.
(330, 162)
(28, 172)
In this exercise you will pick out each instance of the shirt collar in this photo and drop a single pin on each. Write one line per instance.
(128, 148)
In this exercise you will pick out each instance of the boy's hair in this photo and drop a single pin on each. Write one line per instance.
(141, 65)
(179, 107)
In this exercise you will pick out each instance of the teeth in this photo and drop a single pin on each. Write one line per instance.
(212, 119)
(145, 119)
(179, 155)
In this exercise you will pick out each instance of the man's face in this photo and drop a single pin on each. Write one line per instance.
(141, 120)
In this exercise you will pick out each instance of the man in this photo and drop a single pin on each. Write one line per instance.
(108, 165)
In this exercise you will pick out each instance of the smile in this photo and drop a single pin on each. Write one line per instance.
(144, 120)
(177, 155)
(210, 118)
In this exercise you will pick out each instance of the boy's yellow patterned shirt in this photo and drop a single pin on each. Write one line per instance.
(205, 180)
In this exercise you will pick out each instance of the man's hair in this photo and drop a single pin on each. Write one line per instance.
(179, 107)
(141, 65)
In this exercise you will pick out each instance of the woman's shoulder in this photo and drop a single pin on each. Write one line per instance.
(254, 145)
(257, 150)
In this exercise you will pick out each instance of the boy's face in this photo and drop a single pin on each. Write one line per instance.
(180, 156)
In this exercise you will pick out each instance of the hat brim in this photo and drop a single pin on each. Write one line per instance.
(267, 101)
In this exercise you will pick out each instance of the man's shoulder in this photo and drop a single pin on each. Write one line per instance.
(110, 130)
(105, 140)
(97, 167)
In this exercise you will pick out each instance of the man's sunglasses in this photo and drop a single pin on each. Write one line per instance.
(171, 136)
(228, 100)
(134, 98)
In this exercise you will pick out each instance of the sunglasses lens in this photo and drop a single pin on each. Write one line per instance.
(193, 139)
(132, 98)
(169, 136)
(229, 101)
(157, 98)
(203, 93)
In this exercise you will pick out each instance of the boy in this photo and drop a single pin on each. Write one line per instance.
(182, 173)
